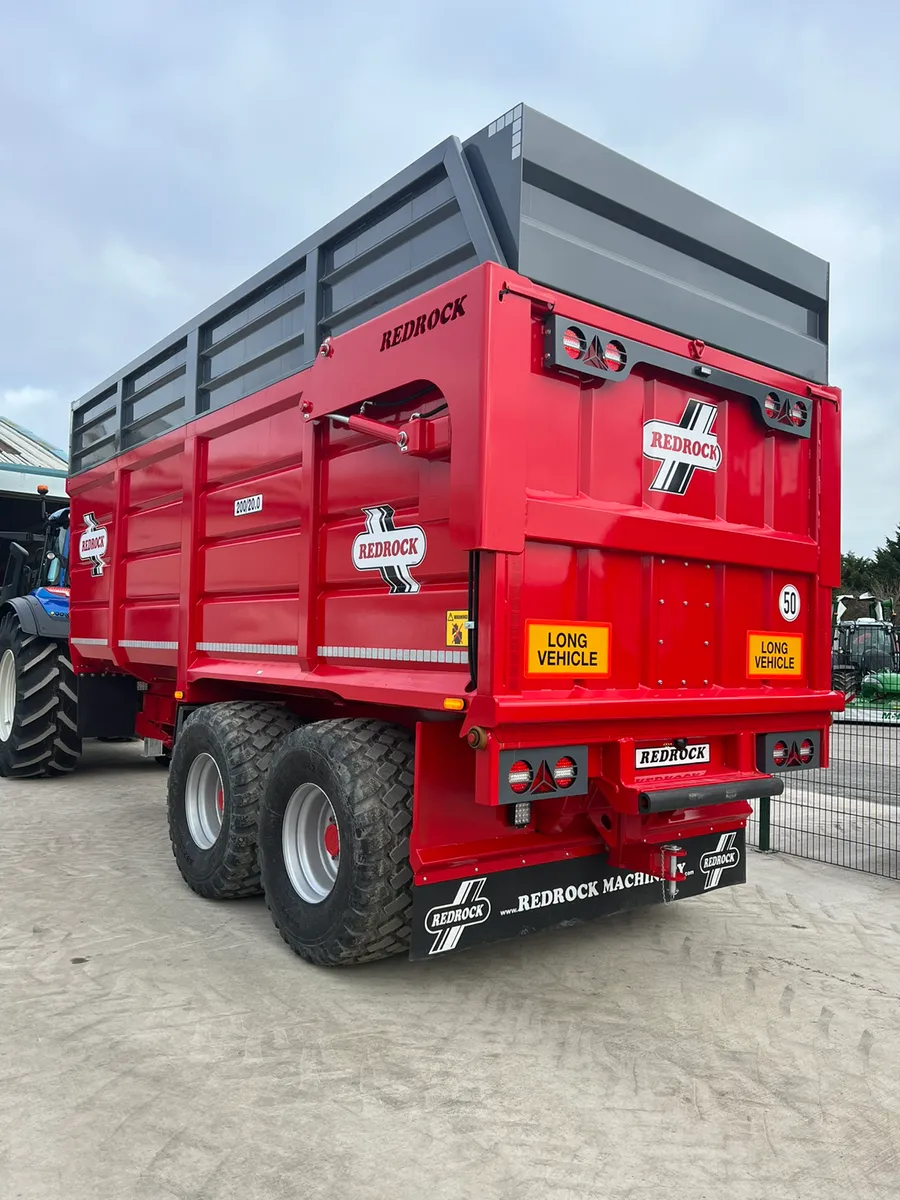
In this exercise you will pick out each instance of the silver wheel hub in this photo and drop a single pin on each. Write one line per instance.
(204, 801)
(7, 694)
(311, 844)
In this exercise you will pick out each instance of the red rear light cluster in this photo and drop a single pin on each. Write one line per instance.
(574, 343)
(565, 772)
(521, 776)
(540, 773)
(785, 412)
(780, 753)
(603, 356)
(798, 413)
(788, 751)
(614, 356)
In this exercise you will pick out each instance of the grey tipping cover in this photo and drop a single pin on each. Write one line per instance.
(579, 218)
(526, 192)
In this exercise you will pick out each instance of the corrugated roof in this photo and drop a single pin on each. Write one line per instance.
(20, 448)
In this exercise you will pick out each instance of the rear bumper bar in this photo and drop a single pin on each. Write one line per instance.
(670, 799)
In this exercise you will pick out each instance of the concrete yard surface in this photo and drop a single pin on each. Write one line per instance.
(743, 1046)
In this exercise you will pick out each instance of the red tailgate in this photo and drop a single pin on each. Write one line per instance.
(681, 524)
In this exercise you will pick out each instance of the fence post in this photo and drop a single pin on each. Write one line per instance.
(764, 813)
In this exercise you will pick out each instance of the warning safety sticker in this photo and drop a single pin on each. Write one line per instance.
(566, 648)
(457, 628)
(774, 654)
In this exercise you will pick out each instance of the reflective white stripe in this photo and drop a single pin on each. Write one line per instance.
(386, 653)
(247, 648)
(393, 655)
(149, 645)
(514, 118)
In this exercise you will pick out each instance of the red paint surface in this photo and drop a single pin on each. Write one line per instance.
(545, 477)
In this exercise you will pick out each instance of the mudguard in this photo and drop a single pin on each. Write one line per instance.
(35, 618)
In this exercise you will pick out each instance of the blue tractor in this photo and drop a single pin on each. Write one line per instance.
(39, 732)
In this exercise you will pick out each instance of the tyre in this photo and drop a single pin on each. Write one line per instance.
(216, 778)
(334, 841)
(38, 705)
(67, 743)
(846, 680)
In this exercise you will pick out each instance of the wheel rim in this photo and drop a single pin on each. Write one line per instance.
(7, 694)
(311, 844)
(204, 801)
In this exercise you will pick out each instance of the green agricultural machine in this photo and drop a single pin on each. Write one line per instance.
(878, 698)
(865, 654)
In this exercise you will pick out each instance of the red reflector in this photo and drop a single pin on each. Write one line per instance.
(771, 405)
(779, 754)
(798, 412)
(520, 776)
(807, 750)
(573, 342)
(564, 772)
(614, 356)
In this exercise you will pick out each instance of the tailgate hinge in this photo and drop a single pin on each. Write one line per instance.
(818, 393)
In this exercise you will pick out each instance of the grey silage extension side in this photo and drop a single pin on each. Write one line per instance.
(526, 192)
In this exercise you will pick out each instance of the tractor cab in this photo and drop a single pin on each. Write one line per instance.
(41, 566)
(862, 644)
(53, 569)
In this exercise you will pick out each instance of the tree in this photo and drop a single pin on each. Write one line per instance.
(886, 568)
(878, 574)
(858, 573)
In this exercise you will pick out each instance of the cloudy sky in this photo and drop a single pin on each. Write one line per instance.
(153, 154)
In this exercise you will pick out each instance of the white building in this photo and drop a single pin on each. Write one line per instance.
(26, 462)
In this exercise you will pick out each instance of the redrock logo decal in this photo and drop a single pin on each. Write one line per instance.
(446, 922)
(684, 448)
(646, 757)
(725, 856)
(389, 550)
(423, 323)
(92, 544)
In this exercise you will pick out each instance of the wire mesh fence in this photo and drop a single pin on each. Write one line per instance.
(847, 814)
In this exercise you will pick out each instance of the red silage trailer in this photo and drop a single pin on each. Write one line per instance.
(498, 611)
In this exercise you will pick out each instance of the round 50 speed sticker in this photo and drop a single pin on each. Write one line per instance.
(789, 602)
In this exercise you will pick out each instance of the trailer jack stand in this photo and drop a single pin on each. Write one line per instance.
(671, 865)
(658, 862)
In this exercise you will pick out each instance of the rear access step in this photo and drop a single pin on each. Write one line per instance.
(670, 799)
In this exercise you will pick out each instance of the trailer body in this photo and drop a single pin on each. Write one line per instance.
(531, 454)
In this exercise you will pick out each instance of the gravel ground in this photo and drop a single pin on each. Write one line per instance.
(153, 1045)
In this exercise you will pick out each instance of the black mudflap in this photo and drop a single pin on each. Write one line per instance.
(488, 908)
